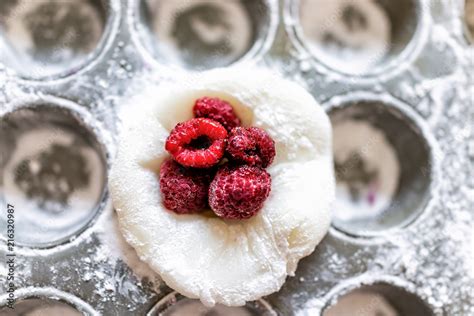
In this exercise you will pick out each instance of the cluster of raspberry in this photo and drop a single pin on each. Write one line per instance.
(216, 163)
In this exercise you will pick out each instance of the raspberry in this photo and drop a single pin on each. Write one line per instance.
(238, 192)
(218, 110)
(198, 143)
(252, 146)
(184, 190)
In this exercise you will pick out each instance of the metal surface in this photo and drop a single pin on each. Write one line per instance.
(419, 96)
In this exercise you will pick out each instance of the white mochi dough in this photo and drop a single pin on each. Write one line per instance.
(205, 257)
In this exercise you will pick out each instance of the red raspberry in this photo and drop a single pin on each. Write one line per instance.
(184, 190)
(198, 143)
(218, 110)
(252, 146)
(239, 192)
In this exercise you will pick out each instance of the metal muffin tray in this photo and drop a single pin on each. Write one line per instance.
(396, 78)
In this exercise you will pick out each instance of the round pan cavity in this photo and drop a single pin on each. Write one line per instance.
(45, 301)
(386, 296)
(54, 166)
(363, 38)
(52, 39)
(203, 34)
(175, 304)
(385, 164)
(469, 19)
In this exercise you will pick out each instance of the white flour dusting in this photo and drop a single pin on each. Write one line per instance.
(115, 247)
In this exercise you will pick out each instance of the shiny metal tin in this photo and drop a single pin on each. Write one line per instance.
(422, 261)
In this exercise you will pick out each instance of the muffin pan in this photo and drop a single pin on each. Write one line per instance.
(174, 304)
(53, 38)
(202, 34)
(469, 19)
(399, 97)
(54, 171)
(358, 38)
(385, 296)
(384, 163)
(47, 301)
